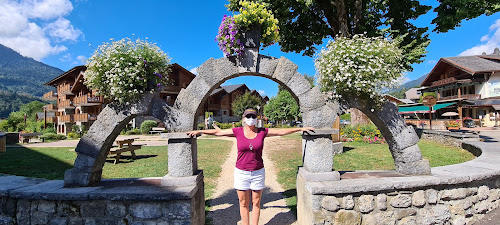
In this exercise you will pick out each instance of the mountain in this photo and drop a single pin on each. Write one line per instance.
(400, 92)
(19, 74)
(10, 102)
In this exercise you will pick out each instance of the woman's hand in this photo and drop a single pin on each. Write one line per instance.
(194, 133)
(307, 129)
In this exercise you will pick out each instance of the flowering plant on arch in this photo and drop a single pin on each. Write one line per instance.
(363, 66)
(123, 70)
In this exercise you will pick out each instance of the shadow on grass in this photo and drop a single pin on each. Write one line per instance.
(22, 161)
(346, 149)
(128, 158)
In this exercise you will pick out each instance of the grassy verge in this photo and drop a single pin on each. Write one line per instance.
(358, 156)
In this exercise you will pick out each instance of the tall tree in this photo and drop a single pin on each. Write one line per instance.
(282, 107)
(245, 101)
(305, 23)
(450, 13)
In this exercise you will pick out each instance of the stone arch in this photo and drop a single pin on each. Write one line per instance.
(318, 149)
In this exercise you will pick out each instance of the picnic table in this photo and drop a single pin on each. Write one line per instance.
(26, 137)
(123, 146)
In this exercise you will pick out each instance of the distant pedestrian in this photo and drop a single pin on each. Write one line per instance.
(249, 173)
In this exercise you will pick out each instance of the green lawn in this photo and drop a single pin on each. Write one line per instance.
(359, 156)
(50, 163)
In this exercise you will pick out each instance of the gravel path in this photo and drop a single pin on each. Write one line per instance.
(225, 206)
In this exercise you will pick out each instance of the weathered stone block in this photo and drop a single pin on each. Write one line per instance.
(320, 118)
(58, 221)
(47, 206)
(344, 217)
(226, 67)
(432, 196)
(481, 207)
(348, 202)
(418, 199)
(311, 100)
(318, 153)
(68, 209)
(6, 220)
(330, 203)
(177, 210)
(267, 65)
(115, 209)
(8, 207)
(402, 213)
(405, 139)
(483, 192)
(145, 210)
(453, 194)
(93, 209)
(401, 201)
(382, 202)
(366, 203)
(458, 220)
(385, 217)
(190, 99)
(39, 217)
(412, 220)
(182, 157)
(298, 84)
(409, 154)
(285, 69)
(421, 167)
(438, 214)
(369, 219)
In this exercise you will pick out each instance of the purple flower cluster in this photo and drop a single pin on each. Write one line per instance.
(228, 37)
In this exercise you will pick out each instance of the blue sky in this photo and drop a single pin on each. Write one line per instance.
(62, 33)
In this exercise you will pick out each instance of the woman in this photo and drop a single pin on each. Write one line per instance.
(249, 173)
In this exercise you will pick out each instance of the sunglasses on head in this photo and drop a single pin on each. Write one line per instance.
(251, 116)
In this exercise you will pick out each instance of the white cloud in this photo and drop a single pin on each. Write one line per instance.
(261, 92)
(194, 70)
(65, 58)
(492, 40)
(30, 26)
(431, 61)
(62, 30)
(81, 59)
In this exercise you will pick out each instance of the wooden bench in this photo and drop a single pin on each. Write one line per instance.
(156, 130)
(123, 146)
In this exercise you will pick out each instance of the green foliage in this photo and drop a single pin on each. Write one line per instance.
(245, 101)
(50, 129)
(399, 93)
(147, 125)
(78, 130)
(359, 132)
(346, 116)
(53, 136)
(123, 70)
(15, 121)
(282, 107)
(133, 131)
(253, 13)
(450, 13)
(11, 102)
(359, 66)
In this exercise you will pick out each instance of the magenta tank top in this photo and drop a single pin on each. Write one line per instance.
(250, 159)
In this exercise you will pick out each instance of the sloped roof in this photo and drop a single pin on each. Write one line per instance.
(473, 64)
(228, 88)
(40, 115)
(67, 73)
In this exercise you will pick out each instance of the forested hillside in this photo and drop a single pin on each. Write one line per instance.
(23, 74)
(10, 102)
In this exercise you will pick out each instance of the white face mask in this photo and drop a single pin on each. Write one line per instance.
(250, 121)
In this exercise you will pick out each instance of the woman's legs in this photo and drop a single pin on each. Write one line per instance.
(244, 197)
(256, 196)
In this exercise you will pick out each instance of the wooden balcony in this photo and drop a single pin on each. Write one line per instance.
(51, 96)
(470, 97)
(65, 89)
(67, 119)
(51, 107)
(88, 100)
(66, 104)
(52, 119)
(84, 117)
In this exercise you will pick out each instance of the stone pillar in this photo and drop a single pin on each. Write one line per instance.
(182, 155)
(318, 150)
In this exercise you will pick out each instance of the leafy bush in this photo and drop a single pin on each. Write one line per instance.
(53, 136)
(73, 135)
(147, 125)
(133, 131)
(201, 126)
(50, 129)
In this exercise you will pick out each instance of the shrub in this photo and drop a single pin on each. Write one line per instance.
(49, 130)
(73, 135)
(360, 132)
(147, 125)
(53, 136)
(201, 126)
(133, 131)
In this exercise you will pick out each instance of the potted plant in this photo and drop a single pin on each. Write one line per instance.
(453, 125)
(254, 25)
(124, 70)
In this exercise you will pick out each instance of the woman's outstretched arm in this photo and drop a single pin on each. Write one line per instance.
(216, 132)
(285, 131)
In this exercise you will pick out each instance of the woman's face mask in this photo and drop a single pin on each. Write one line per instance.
(250, 121)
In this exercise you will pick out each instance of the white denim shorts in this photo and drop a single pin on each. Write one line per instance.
(249, 180)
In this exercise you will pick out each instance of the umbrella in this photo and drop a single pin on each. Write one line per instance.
(450, 114)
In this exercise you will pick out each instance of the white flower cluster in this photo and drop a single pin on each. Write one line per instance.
(123, 70)
(359, 65)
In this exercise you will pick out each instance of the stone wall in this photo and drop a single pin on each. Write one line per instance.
(454, 139)
(119, 201)
(455, 194)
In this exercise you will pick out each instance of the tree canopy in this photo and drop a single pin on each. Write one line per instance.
(245, 101)
(282, 107)
(306, 23)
